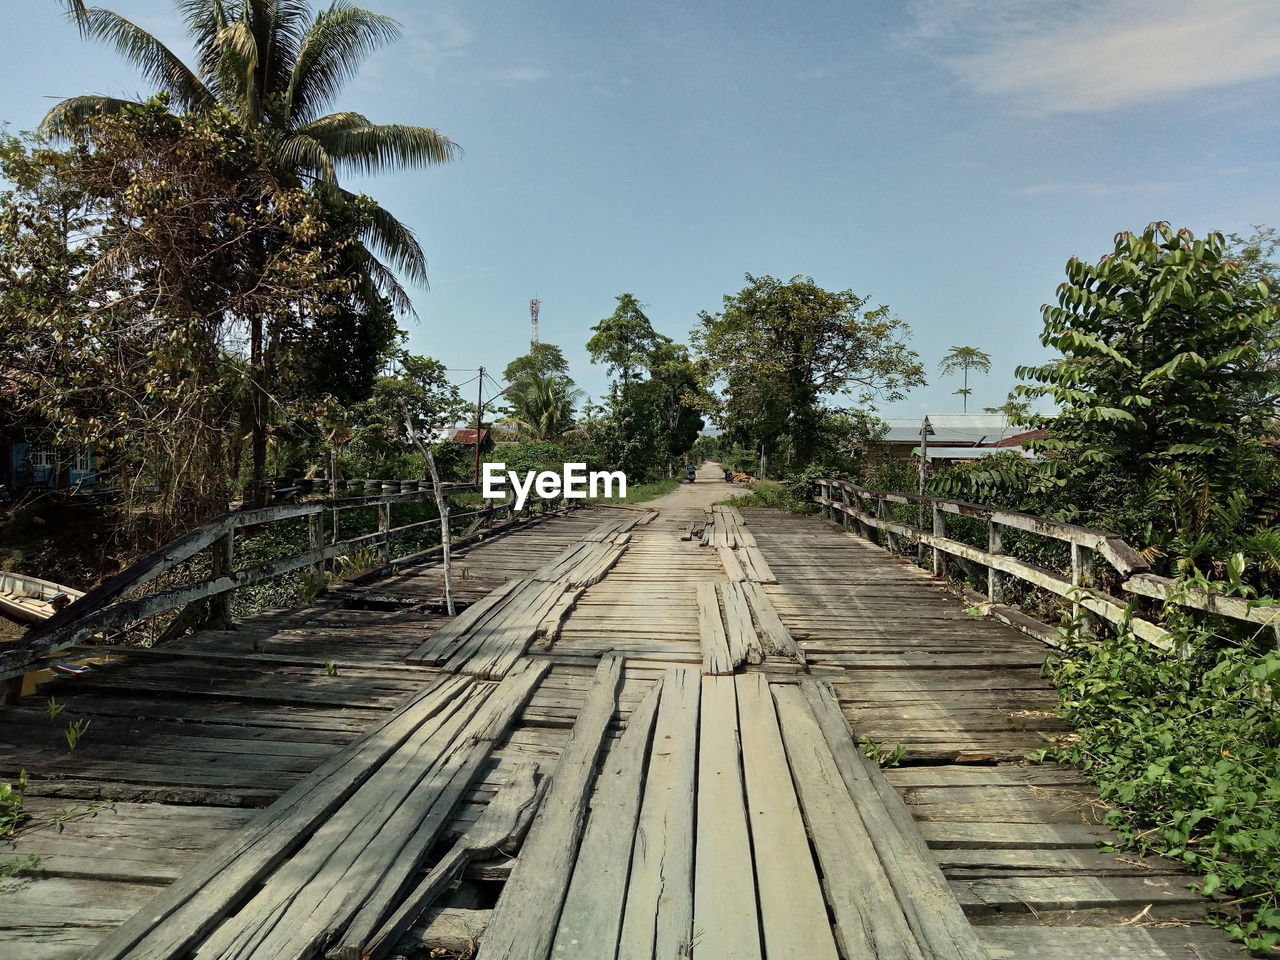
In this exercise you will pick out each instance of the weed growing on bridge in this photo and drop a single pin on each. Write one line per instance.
(11, 804)
(1188, 752)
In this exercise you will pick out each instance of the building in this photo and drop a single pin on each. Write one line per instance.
(951, 437)
(25, 464)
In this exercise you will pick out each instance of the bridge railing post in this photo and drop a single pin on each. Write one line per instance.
(995, 544)
(939, 530)
(222, 559)
(844, 498)
(884, 512)
(315, 539)
(384, 525)
(1081, 573)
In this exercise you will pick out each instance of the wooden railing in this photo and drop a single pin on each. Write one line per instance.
(872, 512)
(115, 603)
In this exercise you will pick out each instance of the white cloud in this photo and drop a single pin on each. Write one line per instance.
(1071, 56)
(439, 37)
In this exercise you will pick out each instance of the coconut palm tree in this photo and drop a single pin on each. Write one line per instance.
(278, 67)
(541, 406)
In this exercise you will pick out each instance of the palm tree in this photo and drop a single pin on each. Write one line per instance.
(542, 406)
(965, 359)
(277, 68)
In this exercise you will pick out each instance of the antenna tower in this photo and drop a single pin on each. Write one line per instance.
(533, 324)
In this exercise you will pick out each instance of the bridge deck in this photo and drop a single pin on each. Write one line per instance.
(186, 745)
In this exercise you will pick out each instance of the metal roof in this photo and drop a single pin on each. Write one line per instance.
(952, 428)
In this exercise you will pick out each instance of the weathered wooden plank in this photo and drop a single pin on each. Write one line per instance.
(716, 656)
(793, 914)
(776, 637)
(181, 915)
(923, 893)
(724, 894)
(591, 919)
(658, 915)
(373, 933)
(524, 920)
(867, 913)
(744, 641)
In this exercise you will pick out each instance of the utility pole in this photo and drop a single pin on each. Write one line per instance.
(479, 410)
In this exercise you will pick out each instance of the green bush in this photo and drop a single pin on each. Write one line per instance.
(1188, 751)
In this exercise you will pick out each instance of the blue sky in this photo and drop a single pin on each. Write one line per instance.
(943, 156)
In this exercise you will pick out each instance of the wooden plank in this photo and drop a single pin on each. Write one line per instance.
(319, 887)
(935, 917)
(499, 827)
(716, 657)
(776, 637)
(524, 920)
(658, 915)
(591, 919)
(725, 915)
(744, 641)
(181, 915)
(793, 914)
(732, 568)
(867, 914)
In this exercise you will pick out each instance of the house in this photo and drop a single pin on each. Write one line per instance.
(950, 437)
(24, 463)
(464, 435)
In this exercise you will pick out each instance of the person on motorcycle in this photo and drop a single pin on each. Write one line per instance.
(689, 472)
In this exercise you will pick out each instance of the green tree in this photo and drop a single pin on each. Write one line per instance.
(778, 349)
(277, 68)
(964, 359)
(542, 359)
(541, 406)
(624, 339)
(1165, 394)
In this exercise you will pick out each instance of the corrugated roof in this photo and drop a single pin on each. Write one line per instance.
(964, 429)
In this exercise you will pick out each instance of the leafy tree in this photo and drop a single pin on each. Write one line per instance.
(542, 359)
(1015, 410)
(624, 340)
(542, 406)
(779, 349)
(129, 260)
(964, 359)
(277, 68)
(1165, 394)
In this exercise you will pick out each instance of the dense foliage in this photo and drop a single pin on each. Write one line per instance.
(782, 351)
(1188, 751)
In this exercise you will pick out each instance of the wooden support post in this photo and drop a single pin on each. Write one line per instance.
(995, 544)
(1081, 573)
(885, 513)
(384, 524)
(315, 538)
(844, 517)
(223, 555)
(939, 530)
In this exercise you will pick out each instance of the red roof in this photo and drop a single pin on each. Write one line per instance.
(468, 436)
(1018, 439)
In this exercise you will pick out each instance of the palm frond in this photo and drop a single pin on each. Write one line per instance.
(397, 243)
(237, 71)
(377, 280)
(204, 20)
(390, 146)
(278, 27)
(156, 62)
(300, 154)
(73, 115)
(331, 52)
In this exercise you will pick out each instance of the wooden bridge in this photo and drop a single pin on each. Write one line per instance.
(638, 739)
